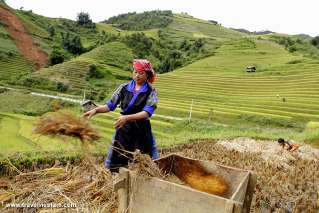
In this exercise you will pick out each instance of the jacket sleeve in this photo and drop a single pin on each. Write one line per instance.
(151, 103)
(115, 99)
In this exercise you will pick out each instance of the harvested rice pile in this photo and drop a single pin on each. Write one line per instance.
(271, 151)
(143, 165)
(63, 123)
(88, 186)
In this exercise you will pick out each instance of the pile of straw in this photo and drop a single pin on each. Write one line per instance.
(88, 186)
(63, 123)
(143, 165)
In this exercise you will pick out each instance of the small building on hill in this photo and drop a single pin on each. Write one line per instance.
(251, 69)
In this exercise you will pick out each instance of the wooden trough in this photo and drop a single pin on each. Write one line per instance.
(191, 193)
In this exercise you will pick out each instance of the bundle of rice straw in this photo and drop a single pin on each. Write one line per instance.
(89, 187)
(63, 123)
(143, 165)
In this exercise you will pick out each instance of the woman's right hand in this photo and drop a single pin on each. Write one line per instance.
(89, 114)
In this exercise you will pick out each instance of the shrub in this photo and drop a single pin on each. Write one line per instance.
(292, 49)
(72, 43)
(94, 72)
(61, 87)
(56, 57)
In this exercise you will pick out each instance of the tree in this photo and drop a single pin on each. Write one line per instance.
(84, 20)
(315, 41)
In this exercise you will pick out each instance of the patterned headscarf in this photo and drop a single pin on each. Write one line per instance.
(143, 65)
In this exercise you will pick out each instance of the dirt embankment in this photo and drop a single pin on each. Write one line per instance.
(22, 38)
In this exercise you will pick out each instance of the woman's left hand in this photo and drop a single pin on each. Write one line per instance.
(121, 121)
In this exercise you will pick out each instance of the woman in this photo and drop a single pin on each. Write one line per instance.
(287, 146)
(138, 100)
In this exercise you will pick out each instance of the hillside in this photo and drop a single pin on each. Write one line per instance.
(22, 38)
(182, 41)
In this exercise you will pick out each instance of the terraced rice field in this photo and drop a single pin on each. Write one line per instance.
(72, 73)
(14, 67)
(12, 64)
(110, 58)
(285, 86)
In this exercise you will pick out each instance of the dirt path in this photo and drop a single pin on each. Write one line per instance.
(22, 38)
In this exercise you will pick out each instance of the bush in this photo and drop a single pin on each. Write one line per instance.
(198, 44)
(61, 87)
(292, 49)
(72, 43)
(56, 57)
(94, 72)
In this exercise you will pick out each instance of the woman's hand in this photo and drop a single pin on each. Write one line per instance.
(121, 121)
(89, 114)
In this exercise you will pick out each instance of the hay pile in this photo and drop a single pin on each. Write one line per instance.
(64, 123)
(143, 165)
(89, 187)
(270, 150)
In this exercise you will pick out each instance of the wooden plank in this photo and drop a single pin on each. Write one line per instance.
(152, 195)
(122, 186)
(250, 191)
(239, 194)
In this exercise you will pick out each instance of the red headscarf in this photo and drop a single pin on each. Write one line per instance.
(143, 65)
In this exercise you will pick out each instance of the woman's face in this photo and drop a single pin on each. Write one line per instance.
(139, 77)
